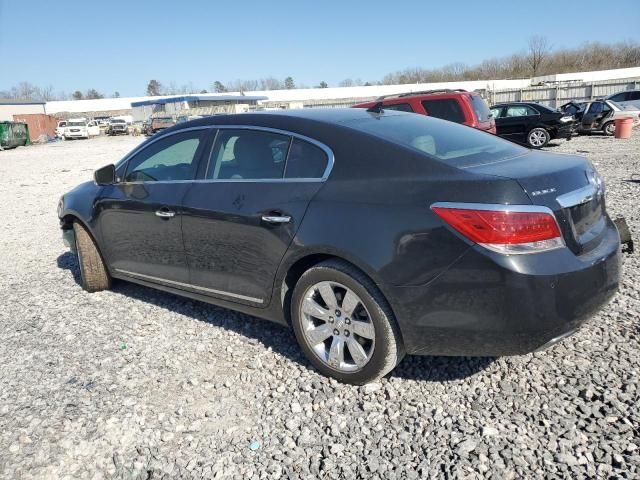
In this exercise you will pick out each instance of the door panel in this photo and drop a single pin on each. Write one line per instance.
(229, 248)
(138, 241)
(516, 122)
(240, 219)
(140, 219)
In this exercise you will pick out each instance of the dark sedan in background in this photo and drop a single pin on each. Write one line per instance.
(532, 124)
(373, 234)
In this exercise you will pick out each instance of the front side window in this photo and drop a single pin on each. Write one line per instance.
(305, 160)
(242, 154)
(520, 111)
(170, 158)
(635, 95)
(447, 109)
(399, 107)
(496, 112)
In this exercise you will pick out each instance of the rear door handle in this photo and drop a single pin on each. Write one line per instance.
(165, 213)
(276, 219)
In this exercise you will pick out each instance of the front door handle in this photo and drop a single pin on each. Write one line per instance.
(165, 213)
(276, 219)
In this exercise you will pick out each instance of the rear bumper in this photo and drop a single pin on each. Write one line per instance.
(488, 304)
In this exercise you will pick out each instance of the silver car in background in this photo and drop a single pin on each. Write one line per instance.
(626, 99)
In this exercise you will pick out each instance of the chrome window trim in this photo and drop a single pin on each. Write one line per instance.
(325, 148)
(146, 145)
(578, 197)
(190, 286)
(495, 207)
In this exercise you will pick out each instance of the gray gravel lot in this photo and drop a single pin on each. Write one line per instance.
(135, 383)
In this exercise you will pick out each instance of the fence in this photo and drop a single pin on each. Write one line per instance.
(557, 94)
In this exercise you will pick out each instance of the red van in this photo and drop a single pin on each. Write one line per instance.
(459, 106)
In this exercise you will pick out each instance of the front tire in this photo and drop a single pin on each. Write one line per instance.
(93, 272)
(538, 138)
(609, 129)
(344, 325)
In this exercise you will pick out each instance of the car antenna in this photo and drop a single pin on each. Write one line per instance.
(377, 108)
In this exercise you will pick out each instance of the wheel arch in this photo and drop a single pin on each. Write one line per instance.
(296, 267)
(69, 217)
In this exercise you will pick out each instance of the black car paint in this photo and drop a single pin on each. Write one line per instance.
(517, 128)
(449, 296)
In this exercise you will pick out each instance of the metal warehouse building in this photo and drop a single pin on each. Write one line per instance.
(10, 107)
(194, 105)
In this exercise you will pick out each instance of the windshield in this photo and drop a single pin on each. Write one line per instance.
(453, 144)
(76, 124)
(116, 120)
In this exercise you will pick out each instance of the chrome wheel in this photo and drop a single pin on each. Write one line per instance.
(337, 326)
(610, 128)
(537, 138)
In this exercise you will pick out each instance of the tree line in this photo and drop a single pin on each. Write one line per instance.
(28, 91)
(539, 58)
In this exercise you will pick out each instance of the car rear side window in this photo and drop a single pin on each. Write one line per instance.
(520, 111)
(305, 160)
(244, 154)
(399, 107)
(480, 108)
(170, 158)
(447, 109)
(455, 145)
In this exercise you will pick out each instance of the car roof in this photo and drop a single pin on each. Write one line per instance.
(327, 116)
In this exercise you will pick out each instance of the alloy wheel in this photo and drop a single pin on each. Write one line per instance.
(537, 138)
(610, 128)
(337, 326)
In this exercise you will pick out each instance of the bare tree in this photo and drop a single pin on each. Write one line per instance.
(271, 83)
(539, 50)
(153, 88)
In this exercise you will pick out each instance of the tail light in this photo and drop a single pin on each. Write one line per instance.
(511, 229)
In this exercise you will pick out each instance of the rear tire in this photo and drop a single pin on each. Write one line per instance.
(93, 272)
(369, 344)
(538, 138)
(609, 128)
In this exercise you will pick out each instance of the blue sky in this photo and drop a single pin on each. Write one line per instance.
(118, 46)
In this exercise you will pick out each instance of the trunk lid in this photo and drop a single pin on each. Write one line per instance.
(567, 184)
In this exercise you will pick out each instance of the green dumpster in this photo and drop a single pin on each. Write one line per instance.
(13, 134)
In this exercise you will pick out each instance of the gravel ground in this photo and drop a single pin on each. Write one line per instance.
(135, 383)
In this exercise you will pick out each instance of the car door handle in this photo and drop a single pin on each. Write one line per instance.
(165, 213)
(276, 219)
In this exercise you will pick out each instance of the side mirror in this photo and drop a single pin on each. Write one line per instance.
(105, 175)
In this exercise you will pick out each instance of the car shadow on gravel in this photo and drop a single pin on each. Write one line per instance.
(278, 337)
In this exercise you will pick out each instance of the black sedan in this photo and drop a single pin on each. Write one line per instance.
(531, 123)
(373, 234)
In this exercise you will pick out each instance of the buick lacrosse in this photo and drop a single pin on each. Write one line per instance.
(372, 234)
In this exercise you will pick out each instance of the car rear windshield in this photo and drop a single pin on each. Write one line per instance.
(455, 145)
(76, 124)
(480, 108)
